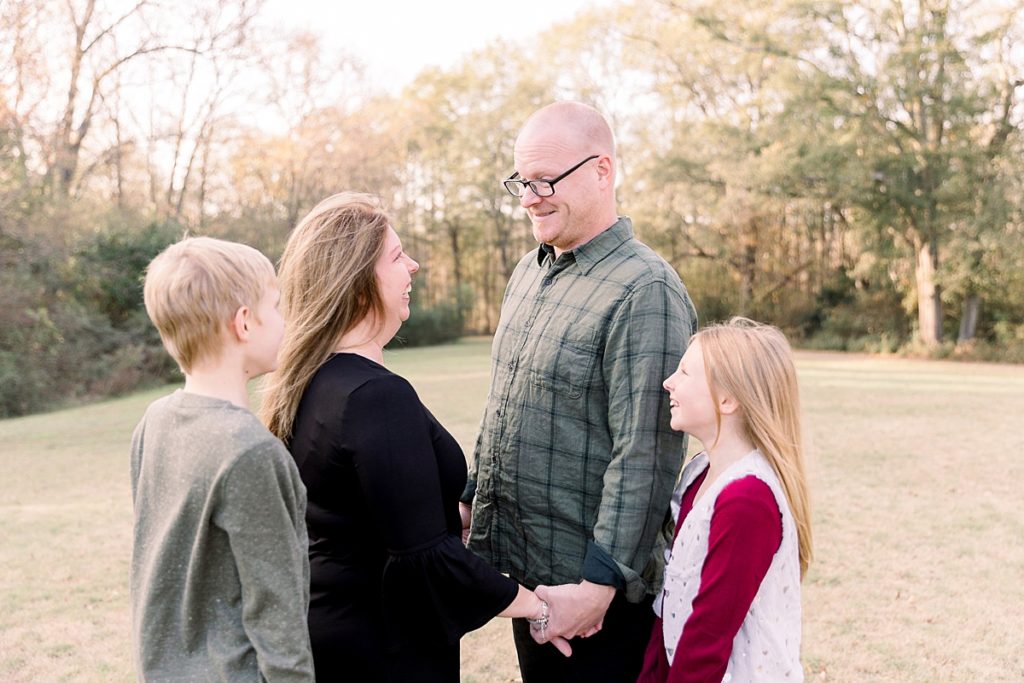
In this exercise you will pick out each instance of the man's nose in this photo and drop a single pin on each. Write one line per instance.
(529, 197)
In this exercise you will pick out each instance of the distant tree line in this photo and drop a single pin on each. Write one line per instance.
(852, 172)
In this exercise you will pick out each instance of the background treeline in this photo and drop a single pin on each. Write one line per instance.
(852, 172)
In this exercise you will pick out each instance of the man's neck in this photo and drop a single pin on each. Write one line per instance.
(592, 236)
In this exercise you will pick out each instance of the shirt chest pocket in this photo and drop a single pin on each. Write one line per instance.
(565, 358)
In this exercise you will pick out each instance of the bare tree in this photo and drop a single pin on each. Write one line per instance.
(92, 51)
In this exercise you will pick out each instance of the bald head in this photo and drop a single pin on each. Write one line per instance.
(577, 124)
(570, 144)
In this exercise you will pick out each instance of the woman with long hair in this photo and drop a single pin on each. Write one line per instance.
(392, 587)
(730, 606)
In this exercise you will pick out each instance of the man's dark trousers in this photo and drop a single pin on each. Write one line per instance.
(613, 654)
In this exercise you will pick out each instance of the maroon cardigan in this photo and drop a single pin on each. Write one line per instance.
(746, 531)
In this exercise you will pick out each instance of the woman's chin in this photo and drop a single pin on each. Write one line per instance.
(391, 331)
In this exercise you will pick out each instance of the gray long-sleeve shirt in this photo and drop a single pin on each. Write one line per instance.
(219, 572)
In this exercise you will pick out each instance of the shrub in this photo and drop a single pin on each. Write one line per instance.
(74, 326)
(438, 324)
(426, 327)
(24, 387)
(108, 270)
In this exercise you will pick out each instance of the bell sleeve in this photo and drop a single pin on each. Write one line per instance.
(433, 586)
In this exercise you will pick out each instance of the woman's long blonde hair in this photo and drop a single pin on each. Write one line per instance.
(753, 363)
(328, 284)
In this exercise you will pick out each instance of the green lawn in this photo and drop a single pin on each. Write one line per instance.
(919, 522)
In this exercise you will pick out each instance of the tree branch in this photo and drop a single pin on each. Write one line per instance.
(114, 25)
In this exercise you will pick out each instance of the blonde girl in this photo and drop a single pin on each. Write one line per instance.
(730, 607)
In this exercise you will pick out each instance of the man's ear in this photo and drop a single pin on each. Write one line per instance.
(239, 324)
(604, 169)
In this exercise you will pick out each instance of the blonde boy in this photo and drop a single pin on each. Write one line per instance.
(219, 573)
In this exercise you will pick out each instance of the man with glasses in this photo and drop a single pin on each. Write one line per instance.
(575, 461)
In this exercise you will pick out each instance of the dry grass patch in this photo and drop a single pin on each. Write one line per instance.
(917, 469)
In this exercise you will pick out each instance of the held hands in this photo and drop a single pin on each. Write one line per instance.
(540, 633)
(573, 610)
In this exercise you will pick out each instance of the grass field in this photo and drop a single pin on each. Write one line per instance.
(919, 523)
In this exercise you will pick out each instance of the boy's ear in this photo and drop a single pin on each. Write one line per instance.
(239, 324)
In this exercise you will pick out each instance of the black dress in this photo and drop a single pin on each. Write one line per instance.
(392, 587)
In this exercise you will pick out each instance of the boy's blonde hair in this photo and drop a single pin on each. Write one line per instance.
(194, 287)
(753, 363)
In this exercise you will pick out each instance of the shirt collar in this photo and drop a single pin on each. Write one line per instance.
(591, 253)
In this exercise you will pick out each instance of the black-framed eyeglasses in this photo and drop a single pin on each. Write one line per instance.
(516, 186)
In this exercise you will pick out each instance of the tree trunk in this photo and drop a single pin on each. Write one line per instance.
(203, 178)
(747, 267)
(929, 303)
(119, 160)
(969, 319)
(456, 247)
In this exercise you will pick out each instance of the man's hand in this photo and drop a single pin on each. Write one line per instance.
(577, 609)
(466, 513)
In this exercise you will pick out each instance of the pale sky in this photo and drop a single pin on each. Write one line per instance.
(398, 38)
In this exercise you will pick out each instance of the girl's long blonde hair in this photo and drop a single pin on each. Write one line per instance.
(753, 363)
(328, 282)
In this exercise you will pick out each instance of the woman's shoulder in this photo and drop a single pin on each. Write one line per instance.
(346, 381)
(362, 379)
(348, 371)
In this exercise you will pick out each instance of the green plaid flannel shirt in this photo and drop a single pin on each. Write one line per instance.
(575, 461)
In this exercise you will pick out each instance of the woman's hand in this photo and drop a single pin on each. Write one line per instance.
(527, 605)
(541, 633)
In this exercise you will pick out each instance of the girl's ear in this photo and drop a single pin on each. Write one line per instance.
(239, 325)
(728, 405)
